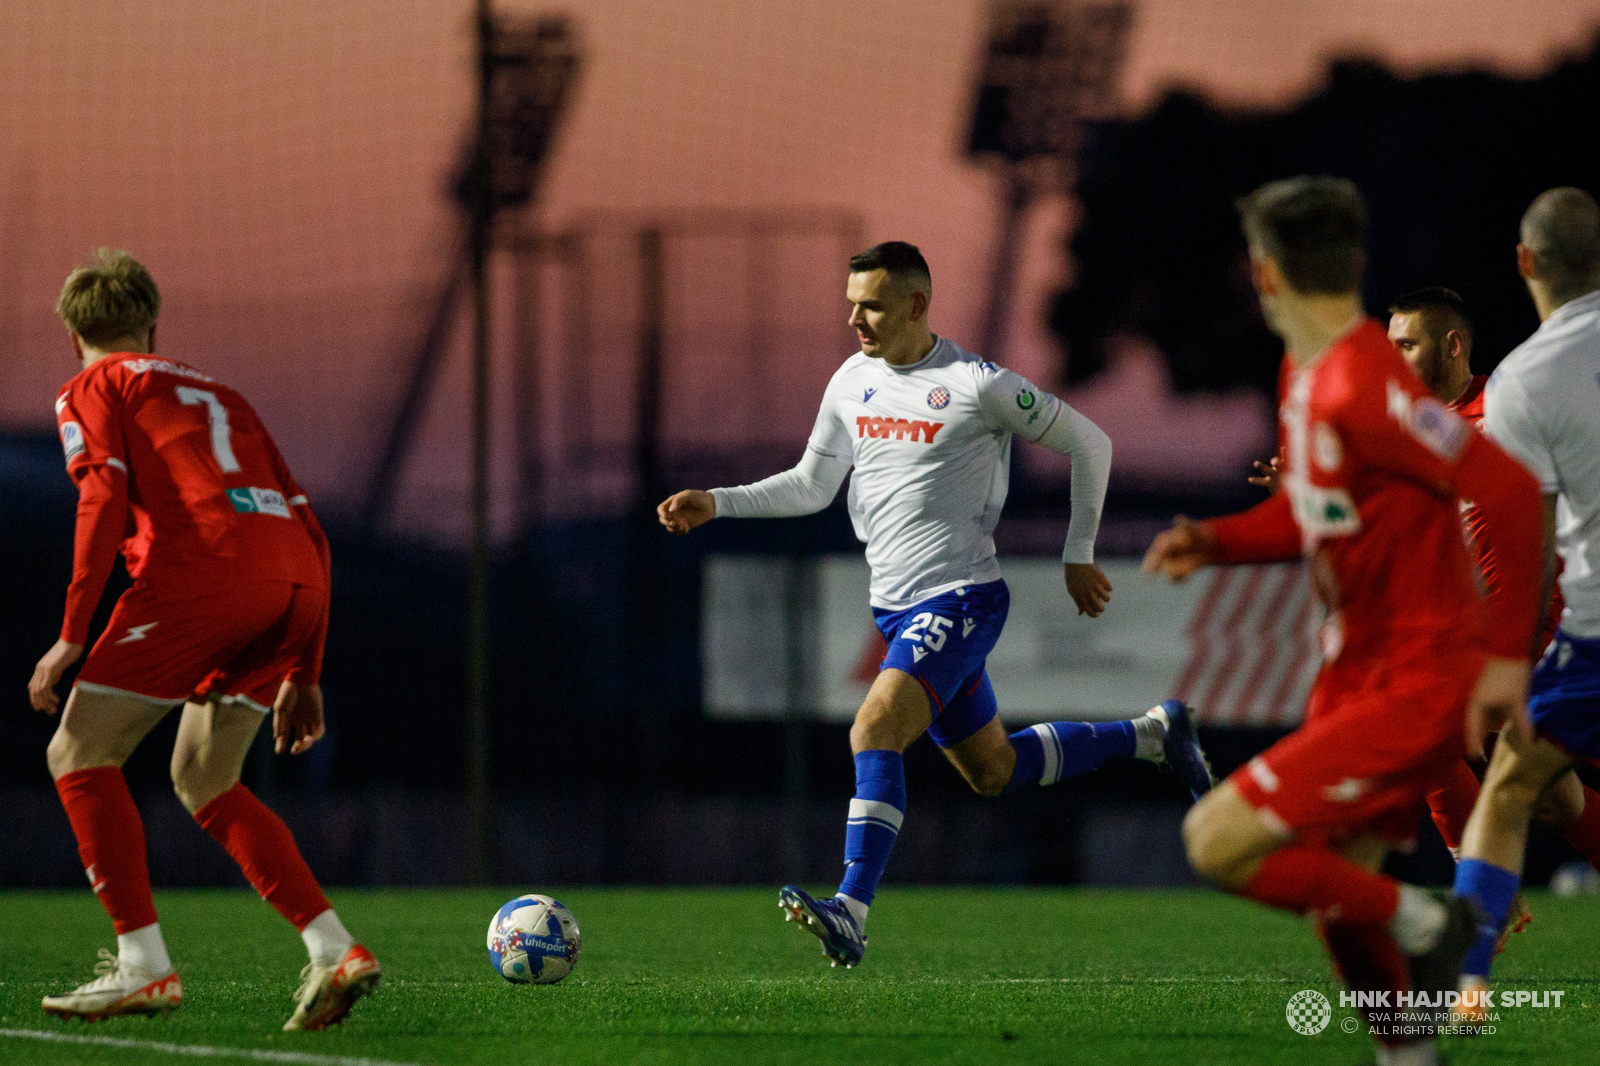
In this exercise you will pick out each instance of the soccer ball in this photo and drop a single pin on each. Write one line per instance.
(533, 940)
(1574, 879)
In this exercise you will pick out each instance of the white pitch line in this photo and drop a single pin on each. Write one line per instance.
(259, 1054)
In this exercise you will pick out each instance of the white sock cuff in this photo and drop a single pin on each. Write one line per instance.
(326, 938)
(145, 949)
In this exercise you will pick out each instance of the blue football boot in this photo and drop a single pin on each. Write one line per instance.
(841, 938)
(1182, 748)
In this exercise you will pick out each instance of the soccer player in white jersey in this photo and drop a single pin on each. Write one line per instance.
(927, 428)
(1543, 406)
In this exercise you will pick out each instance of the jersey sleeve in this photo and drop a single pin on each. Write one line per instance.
(1408, 432)
(1012, 403)
(89, 418)
(1267, 533)
(1510, 420)
(830, 438)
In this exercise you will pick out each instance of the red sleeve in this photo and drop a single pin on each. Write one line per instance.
(88, 416)
(1414, 435)
(308, 670)
(1266, 533)
(1507, 499)
(102, 522)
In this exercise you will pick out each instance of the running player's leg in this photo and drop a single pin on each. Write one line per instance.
(214, 736)
(969, 732)
(98, 731)
(895, 712)
(1492, 848)
(213, 740)
(1367, 959)
(1572, 809)
(1450, 803)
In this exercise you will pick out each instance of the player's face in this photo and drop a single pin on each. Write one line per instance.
(1421, 347)
(882, 315)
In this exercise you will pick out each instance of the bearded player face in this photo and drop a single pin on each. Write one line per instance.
(1421, 344)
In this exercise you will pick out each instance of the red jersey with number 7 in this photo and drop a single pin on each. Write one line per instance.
(176, 470)
(1373, 469)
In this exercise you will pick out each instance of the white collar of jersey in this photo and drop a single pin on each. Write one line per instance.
(1589, 301)
(938, 342)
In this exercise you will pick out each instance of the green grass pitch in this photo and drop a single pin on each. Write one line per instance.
(681, 976)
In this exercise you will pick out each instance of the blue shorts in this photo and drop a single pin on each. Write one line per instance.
(1564, 697)
(943, 642)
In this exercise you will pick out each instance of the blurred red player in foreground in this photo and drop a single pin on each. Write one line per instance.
(1417, 665)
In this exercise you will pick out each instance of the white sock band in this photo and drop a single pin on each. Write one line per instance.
(145, 950)
(326, 938)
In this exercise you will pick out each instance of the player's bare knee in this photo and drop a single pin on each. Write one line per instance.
(1560, 805)
(60, 754)
(875, 727)
(987, 780)
(1205, 841)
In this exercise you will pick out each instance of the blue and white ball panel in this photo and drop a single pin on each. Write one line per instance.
(1564, 695)
(943, 641)
(533, 940)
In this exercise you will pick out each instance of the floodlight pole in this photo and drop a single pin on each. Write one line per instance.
(481, 212)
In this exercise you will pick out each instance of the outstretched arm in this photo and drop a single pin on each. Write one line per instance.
(806, 488)
(1072, 434)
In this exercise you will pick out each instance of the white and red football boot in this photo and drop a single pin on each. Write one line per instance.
(120, 989)
(328, 992)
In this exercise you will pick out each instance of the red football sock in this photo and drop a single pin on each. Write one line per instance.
(265, 850)
(1451, 804)
(1584, 834)
(1307, 879)
(1368, 960)
(110, 842)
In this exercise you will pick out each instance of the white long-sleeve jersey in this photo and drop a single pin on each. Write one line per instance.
(930, 444)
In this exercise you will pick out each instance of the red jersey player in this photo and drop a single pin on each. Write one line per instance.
(226, 615)
(1373, 468)
(1433, 331)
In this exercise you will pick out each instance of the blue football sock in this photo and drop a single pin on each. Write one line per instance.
(875, 816)
(1055, 751)
(1493, 887)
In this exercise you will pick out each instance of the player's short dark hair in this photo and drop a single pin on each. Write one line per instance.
(1435, 299)
(109, 298)
(903, 262)
(1314, 228)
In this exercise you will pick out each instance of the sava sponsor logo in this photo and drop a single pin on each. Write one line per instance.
(71, 439)
(259, 501)
(898, 428)
(140, 366)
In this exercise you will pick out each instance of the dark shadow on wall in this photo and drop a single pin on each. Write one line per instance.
(1447, 163)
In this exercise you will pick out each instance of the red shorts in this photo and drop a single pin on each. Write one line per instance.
(235, 645)
(1377, 739)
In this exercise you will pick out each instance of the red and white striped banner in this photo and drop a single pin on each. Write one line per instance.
(1253, 650)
